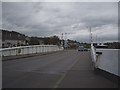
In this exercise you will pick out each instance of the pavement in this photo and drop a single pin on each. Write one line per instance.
(65, 69)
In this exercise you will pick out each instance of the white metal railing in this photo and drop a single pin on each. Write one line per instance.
(22, 50)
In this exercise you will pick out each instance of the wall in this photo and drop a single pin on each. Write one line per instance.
(29, 50)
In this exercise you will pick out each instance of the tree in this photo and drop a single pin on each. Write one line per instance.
(54, 40)
(34, 41)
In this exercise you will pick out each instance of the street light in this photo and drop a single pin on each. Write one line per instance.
(100, 39)
(64, 41)
(91, 38)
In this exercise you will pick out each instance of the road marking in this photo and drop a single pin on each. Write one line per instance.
(59, 81)
(63, 76)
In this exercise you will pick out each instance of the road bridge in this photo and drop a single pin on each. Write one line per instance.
(63, 69)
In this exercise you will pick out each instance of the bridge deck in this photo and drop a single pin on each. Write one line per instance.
(66, 69)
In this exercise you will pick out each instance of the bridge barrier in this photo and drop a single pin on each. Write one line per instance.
(107, 60)
(22, 50)
(93, 57)
(93, 53)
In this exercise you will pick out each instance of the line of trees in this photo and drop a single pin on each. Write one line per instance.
(54, 40)
(113, 45)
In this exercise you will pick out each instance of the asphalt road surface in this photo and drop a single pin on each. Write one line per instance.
(64, 69)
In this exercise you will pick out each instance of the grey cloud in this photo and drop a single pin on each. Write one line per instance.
(46, 19)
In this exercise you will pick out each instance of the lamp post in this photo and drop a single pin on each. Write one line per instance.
(64, 41)
(98, 38)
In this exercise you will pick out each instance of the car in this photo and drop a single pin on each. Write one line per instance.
(81, 48)
(85, 49)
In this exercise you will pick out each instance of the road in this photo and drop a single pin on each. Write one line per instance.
(64, 69)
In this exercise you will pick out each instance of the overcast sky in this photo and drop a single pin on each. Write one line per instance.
(50, 18)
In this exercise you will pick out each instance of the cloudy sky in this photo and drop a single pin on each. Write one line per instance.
(55, 18)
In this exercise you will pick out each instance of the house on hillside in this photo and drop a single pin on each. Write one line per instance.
(13, 39)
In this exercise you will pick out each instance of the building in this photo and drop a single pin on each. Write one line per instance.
(13, 39)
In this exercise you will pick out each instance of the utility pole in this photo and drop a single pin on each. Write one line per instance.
(91, 36)
(62, 40)
(96, 38)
